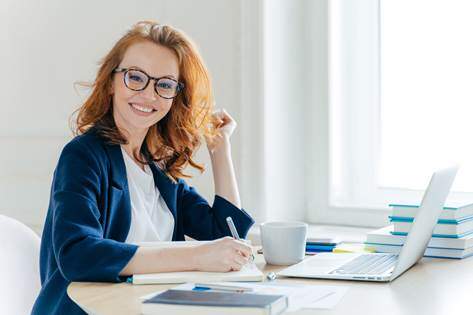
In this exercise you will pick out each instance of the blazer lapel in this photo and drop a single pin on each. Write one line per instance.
(118, 170)
(119, 181)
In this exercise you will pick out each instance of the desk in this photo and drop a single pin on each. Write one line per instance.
(433, 287)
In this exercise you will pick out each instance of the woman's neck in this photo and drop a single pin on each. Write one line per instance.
(135, 142)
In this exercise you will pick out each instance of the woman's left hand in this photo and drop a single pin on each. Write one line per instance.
(224, 125)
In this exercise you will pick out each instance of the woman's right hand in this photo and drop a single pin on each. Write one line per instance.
(222, 255)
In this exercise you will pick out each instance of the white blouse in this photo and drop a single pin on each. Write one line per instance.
(151, 219)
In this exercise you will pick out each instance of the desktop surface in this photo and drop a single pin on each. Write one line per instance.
(433, 287)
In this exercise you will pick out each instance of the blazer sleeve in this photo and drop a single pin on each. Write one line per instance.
(80, 250)
(205, 222)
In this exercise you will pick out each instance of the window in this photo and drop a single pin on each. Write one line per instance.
(426, 90)
(400, 99)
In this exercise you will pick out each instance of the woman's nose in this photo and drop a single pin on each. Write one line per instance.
(149, 92)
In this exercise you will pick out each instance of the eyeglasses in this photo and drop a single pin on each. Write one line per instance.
(138, 80)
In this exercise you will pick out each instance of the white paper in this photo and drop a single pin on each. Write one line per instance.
(331, 299)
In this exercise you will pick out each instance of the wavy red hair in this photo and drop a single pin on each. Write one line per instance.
(172, 141)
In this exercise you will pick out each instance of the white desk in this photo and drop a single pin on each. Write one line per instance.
(432, 287)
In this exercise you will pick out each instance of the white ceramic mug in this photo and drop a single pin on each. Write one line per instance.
(283, 242)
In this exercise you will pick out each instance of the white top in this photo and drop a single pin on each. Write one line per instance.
(151, 219)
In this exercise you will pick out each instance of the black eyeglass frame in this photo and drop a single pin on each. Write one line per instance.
(180, 85)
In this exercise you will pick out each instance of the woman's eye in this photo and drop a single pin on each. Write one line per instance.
(165, 85)
(136, 78)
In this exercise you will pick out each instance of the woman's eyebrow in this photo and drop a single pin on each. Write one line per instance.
(162, 76)
(170, 76)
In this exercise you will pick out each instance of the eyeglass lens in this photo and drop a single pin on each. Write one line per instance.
(137, 80)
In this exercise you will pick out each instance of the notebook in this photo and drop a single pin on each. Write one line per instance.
(175, 302)
(249, 272)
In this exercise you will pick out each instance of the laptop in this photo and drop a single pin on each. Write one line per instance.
(383, 267)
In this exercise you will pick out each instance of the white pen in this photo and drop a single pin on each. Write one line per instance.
(234, 232)
(232, 228)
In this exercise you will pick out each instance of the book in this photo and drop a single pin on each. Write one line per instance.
(176, 302)
(384, 236)
(353, 248)
(442, 228)
(450, 212)
(319, 248)
(327, 241)
(249, 273)
(439, 221)
(429, 252)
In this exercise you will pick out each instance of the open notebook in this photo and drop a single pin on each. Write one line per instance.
(248, 273)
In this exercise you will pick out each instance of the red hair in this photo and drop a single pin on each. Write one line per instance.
(172, 141)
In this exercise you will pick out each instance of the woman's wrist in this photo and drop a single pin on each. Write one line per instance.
(223, 148)
(193, 258)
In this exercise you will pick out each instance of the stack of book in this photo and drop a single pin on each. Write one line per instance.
(452, 236)
(318, 245)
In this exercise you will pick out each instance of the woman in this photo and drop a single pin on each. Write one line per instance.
(119, 181)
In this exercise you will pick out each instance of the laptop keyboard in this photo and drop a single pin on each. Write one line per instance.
(368, 265)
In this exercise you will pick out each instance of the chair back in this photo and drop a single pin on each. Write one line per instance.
(19, 267)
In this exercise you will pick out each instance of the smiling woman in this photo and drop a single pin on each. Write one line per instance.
(149, 59)
(119, 182)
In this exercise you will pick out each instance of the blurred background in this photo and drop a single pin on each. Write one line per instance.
(342, 106)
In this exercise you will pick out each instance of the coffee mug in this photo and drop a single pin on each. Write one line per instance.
(283, 242)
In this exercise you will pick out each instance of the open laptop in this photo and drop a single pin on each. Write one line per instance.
(378, 266)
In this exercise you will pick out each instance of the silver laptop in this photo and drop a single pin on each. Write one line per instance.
(378, 266)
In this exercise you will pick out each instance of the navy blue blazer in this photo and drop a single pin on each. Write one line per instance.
(89, 218)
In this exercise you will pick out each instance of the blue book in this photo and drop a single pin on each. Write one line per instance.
(429, 252)
(323, 241)
(319, 248)
(443, 228)
(440, 221)
(386, 237)
(452, 211)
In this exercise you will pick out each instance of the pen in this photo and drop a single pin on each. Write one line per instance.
(232, 228)
(220, 287)
(234, 232)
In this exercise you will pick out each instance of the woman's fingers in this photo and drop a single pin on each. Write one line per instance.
(222, 117)
(243, 248)
(239, 261)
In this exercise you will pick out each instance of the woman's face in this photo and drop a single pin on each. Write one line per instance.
(131, 109)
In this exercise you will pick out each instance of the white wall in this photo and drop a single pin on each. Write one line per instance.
(268, 60)
(296, 99)
(46, 46)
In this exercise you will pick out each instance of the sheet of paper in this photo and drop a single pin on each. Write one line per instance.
(330, 300)
(310, 296)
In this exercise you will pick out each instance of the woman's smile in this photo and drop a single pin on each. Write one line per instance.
(142, 110)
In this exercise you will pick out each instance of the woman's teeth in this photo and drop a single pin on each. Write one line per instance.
(142, 109)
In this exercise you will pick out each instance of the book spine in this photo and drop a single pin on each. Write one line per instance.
(451, 243)
(323, 248)
(445, 214)
(440, 228)
(429, 252)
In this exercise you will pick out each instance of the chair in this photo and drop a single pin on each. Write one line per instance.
(19, 267)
